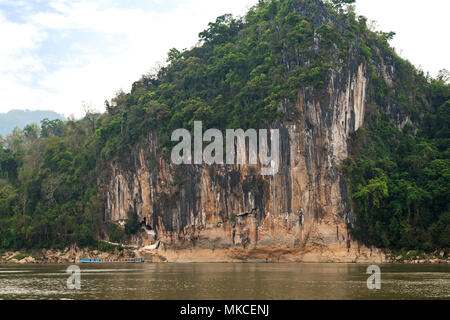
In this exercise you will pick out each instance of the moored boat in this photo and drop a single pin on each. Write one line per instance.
(140, 260)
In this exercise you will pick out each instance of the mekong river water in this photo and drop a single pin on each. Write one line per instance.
(228, 281)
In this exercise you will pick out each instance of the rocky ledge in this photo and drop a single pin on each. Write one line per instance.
(280, 254)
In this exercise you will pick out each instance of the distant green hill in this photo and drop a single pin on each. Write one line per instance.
(21, 118)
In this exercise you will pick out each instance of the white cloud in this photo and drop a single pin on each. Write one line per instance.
(89, 16)
(16, 39)
(421, 29)
(95, 75)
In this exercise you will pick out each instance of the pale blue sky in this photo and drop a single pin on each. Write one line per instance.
(56, 54)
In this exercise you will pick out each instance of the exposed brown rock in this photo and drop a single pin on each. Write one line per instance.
(195, 207)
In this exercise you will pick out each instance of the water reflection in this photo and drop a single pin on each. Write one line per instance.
(225, 281)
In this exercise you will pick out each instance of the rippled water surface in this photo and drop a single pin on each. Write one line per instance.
(225, 281)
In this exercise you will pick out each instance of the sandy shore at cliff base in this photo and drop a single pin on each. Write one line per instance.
(280, 254)
(284, 254)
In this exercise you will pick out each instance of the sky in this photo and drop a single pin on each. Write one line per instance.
(60, 54)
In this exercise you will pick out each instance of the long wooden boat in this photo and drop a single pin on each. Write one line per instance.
(140, 260)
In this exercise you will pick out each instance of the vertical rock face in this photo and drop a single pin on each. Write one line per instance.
(223, 206)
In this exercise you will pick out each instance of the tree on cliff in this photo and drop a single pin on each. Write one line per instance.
(132, 225)
(340, 4)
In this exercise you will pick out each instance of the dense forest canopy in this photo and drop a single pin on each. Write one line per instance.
(243, 74)
(400, 178)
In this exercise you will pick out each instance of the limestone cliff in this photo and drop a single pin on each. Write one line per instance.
(211, 207)
(197, 205)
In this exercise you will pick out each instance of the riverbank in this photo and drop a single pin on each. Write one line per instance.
(285, 254)
(67, 256)
(281, 254)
